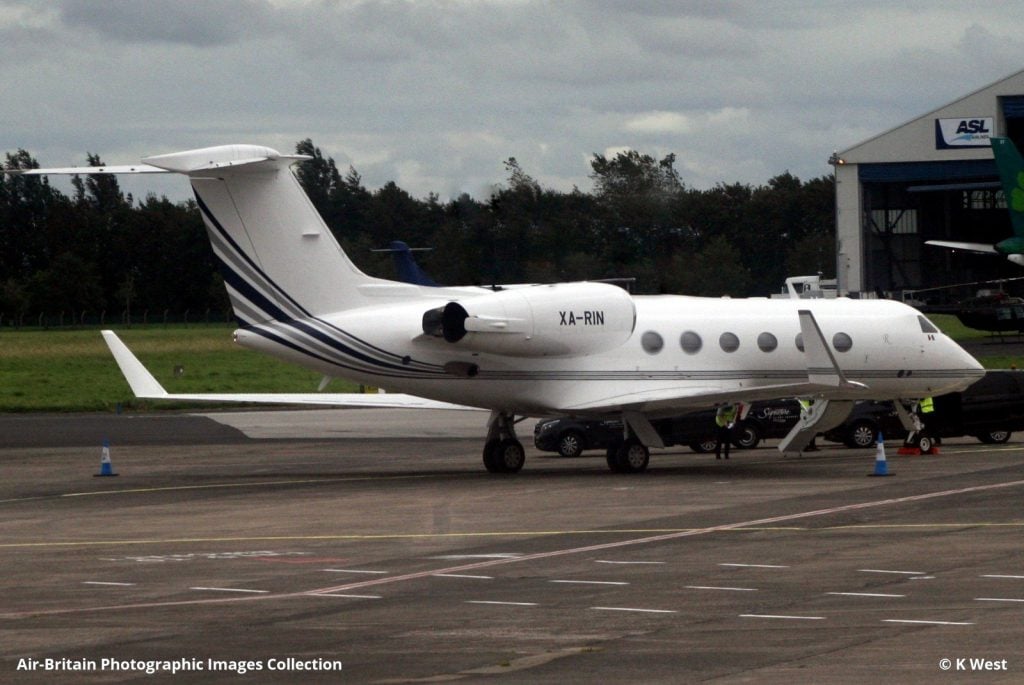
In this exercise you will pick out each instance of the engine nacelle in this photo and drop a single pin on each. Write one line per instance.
(560, 320)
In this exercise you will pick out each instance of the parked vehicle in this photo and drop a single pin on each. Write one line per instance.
(570, 437)
(989, 410)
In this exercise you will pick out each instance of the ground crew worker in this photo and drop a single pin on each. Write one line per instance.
(725, 417)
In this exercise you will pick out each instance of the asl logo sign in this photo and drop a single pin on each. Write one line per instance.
(960, 133)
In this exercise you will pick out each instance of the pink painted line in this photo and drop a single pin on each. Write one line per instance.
(418, 575)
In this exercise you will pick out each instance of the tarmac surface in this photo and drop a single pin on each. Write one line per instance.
(375, 543)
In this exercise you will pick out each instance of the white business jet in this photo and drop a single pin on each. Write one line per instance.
(585, 349)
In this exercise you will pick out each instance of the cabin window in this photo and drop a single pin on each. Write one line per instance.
(842, 342)
(690, 342)
(800, 341)
(652, 342)
(926, 325)
(767, 342)
(729, 342)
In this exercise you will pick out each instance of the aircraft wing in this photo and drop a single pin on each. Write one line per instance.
(970, 247)
(672, 401)
(146, 387)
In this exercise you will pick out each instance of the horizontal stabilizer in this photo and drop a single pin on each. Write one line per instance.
(86, 170)
(969, 247)
(145, 386)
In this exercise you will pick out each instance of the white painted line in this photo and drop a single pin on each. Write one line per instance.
(643, 611)
(899, 573)
(997, 599)
(999, 576)
(863, 594)
(101, 582)
(714, 587)
(354, 570)
(791, 618)
(338, 594)
(511, 604)
(230, 589)
(461, 575)
(591, 582)
(605, 561)
(923, 578)
(755, 565)
(930, 623)
(504, 555)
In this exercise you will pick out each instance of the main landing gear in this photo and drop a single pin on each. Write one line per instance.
(503, 453)
(628, 456)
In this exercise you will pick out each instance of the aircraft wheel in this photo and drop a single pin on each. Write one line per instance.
(510, 455)
(492, 461)
(632, 457)
(925, 444)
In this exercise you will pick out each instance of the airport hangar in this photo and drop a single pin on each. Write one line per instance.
(931, 178)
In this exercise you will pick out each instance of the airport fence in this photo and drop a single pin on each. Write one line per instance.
(98, 319)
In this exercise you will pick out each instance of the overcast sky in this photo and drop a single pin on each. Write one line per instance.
(436, 94)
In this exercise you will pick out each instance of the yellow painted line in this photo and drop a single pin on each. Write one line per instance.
(211, 486)
(235, 485)
(487, 534)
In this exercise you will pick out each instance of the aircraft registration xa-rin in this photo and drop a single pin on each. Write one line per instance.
(585, 349)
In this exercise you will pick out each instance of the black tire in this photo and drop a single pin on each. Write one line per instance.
(612, 457)
(996, 437)
(862, 434)
(703, 446)
(491, 461)
(571, 444)
(632, 457)
(746, 436)
(510, 455)
(925, 443)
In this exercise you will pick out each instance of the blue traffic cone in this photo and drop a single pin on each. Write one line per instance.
(881, 466)
(106, 468)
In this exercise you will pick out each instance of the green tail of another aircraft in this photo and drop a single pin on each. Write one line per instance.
(1011, 173)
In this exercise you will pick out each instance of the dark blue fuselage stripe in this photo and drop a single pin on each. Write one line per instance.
(241, 253)
(273, 311)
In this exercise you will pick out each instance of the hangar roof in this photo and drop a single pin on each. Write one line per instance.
(914, 141)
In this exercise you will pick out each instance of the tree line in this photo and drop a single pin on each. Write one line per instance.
(97, 249)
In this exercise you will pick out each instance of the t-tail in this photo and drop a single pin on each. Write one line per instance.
(279, 260)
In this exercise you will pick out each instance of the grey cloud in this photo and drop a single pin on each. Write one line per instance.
(200, 24)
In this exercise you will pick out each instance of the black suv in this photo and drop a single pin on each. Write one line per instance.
(990, 410)
(569, 437)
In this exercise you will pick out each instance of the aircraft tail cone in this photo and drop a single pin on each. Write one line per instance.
(881, 466)
(106, 467)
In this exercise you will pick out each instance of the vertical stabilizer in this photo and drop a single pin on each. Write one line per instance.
(1011, 173)
(279, 259)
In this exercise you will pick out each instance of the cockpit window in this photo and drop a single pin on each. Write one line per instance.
(926, 325)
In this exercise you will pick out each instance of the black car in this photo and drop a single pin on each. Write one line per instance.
(990, 410)
(570, 437)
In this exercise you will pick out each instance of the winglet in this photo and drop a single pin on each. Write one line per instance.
(142, 382)
(822, 367)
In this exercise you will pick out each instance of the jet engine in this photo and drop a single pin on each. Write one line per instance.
(559, 320)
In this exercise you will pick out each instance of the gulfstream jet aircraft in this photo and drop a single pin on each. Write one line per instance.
(585, 349)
